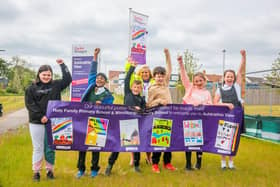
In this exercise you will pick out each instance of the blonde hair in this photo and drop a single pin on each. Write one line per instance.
(139, 72)
(199, 74)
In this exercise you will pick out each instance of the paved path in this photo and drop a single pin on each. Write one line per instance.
(13, 120)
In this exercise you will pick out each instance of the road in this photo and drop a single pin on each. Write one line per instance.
(13, 120)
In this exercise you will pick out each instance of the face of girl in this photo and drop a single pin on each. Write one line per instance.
(145, 74)
(100, 81)
(198, 82)
(229, 78)
(45, 76)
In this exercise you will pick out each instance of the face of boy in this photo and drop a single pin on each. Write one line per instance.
(229, 78)
(136, 89)
(160, 79)
(100, 81)
(198, 82)
(45, 76)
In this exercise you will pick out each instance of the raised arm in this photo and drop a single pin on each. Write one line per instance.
(168, 64)
(184, 76)
(66, 76)
(128, 76)
(93, 67)
(241, 67)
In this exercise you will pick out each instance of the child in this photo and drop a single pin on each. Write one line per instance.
(195, 94)
(98, 94)
(144, 74)
(37, 96)
(230, 95)
(133, 98)
(159, 94)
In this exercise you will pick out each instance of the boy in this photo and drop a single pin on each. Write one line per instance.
(133, 98)
(159, 94)
(98, 94)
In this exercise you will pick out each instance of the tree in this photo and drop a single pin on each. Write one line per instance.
(190, 63)
(274, 76)
(4, 68)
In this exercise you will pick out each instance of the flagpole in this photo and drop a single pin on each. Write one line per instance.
(129, 31)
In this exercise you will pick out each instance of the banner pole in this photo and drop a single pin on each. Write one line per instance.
(129, 31)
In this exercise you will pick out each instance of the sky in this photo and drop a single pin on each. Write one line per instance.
(42, 31)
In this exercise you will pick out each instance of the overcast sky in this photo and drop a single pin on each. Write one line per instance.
(41, 31)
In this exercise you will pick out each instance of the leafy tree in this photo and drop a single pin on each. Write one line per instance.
(190, 63)
(4, 68)
(274, 76)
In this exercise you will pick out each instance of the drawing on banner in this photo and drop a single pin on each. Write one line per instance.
(161, 132)
(193, 132)
(62, 131)
(96, 131)
(226, 135)
(129, 132)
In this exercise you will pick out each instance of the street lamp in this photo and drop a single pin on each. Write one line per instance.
(224, 59)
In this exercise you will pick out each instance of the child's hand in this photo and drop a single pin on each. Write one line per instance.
(166, 51)
(163, 102)
(180, 59)
(96, 51)
(44, 120)
(137, 108)
(230, 106)
(98, 102)
(243, 52)
(59, 61)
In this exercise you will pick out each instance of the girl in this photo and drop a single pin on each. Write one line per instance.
(230, 95)
(195, 94)
(36, 100)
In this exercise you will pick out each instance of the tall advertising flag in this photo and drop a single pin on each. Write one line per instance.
(82, 56)
(137, 36)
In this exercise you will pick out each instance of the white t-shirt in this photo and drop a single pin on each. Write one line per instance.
(226, 87)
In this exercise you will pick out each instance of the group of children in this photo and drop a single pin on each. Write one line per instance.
(141, 90)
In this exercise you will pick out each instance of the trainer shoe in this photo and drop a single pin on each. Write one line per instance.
(155, 168)
(36, 177)
(50, 175)
(108, 170)
(198, 166)
(80, 174)
(93, 173)
(137, 169)
(169, 167)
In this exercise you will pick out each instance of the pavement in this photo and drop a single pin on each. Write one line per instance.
(13, 120)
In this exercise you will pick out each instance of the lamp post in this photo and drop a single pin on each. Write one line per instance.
(224, 59)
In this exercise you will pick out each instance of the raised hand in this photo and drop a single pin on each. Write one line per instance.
(59, 61)
(180, 59)
(243, 52)
(166, 51)
(96, 51)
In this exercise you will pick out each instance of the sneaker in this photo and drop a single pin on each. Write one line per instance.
(231, 168)
(36, 177)
(155, 168)
(80, 174)
(198, 166)
(224, 168)
(108, 170)
(94, 173)
(189, 168)
(50, 175)
(169, 167)
(137, 169)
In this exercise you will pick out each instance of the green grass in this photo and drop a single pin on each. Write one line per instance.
(11, 103)
(263, 110)
(257, 164)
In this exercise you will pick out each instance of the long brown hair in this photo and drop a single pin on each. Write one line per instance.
(41, 69)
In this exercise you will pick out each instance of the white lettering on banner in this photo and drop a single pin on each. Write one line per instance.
(63, 147)
(159, 148)
(194, 148)
(94, 148)
(131, 148)
(223, 151)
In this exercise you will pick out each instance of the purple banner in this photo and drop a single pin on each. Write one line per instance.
(118, 128)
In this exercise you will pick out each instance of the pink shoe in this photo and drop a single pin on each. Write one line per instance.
(155, 168)
(169, 167)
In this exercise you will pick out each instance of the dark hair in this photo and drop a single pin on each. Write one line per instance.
(102, 75)
(231, 71)
(137, 82)
(159, 70)
(41, 69)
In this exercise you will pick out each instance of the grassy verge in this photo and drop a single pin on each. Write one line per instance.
(263, 110)
(11, 103)
(257, 164)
